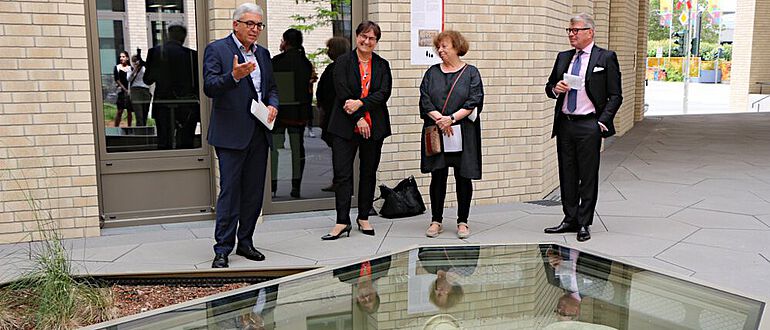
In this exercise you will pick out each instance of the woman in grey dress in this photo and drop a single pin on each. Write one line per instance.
(458, 114)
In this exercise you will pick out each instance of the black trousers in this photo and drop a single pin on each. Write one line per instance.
(578, 144)
(438, 195)
(297, 142)
(242, 187)
(343, 156)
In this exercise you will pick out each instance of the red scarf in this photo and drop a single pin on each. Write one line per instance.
(366, 79)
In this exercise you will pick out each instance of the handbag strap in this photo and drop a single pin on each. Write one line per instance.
(453, 87)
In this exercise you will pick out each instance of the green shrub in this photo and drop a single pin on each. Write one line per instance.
(673, 73)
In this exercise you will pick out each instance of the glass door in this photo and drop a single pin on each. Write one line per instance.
(301, 164)
(154, 165)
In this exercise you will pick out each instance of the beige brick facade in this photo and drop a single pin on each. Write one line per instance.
(47, 156)
(47, 148)
(750, 61)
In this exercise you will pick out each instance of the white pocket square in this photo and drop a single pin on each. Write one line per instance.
(598, 69)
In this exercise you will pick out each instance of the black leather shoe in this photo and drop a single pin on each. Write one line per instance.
(583, 234)
(561, 228)
(220, 261)
(250, 253)
(330, 237)
(369, 232)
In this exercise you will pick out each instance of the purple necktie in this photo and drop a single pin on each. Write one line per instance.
(572, 94)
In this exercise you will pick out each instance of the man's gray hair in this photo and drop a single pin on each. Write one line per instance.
(585, 19)
(247, 8)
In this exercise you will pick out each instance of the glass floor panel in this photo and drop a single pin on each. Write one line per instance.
(530, 286)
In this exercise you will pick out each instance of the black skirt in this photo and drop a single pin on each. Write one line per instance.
(123, 102)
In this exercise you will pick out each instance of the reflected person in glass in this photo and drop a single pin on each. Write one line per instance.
(450, 264)
(363, 278)
(359, 122)
(173, 68)
(123, 103)
(140, 92)
(452, 97)
(325, 94)
(292, 62)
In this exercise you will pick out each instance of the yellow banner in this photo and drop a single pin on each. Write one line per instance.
(667, 6)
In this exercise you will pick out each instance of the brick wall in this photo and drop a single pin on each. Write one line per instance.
(47, 147)
(623, 31)
(750, 60)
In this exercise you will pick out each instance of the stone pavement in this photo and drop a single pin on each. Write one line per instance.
(686, 194)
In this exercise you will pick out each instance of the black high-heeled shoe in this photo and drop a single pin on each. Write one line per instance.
(330, 237)
(369, 232)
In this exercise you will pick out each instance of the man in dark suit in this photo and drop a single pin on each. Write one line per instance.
(173, 68)
(236, 71)
(584, 116)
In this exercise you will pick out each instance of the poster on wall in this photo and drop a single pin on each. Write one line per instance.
(427, 21)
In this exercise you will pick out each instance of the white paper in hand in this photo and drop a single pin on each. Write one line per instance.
(574, 82)
(454, 143)
(259, 110)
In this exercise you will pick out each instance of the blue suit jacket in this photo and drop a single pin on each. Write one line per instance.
(232, 125)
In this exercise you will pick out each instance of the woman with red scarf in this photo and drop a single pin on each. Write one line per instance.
(359, 122)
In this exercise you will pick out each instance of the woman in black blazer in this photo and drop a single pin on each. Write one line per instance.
(359, 121)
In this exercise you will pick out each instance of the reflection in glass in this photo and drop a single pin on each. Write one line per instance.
(501, 287)
(158, 96)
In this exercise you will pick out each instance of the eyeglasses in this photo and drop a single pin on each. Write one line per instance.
(251, 25)
(575, 30)
(366, 38)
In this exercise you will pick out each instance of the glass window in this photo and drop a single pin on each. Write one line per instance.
(528, 286)
(111, 5)
(149, 70)
(165, 6)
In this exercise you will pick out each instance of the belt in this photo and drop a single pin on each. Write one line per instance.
(579, 117)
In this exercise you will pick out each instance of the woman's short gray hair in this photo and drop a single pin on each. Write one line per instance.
(247, 8)
(583, 18)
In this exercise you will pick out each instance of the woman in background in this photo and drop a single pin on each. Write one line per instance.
(123, 103)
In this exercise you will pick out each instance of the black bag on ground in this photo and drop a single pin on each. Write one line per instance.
(402, 201)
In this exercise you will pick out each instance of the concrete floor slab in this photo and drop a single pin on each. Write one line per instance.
(718, 220)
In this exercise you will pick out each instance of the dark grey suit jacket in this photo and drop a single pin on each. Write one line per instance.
(603, 86)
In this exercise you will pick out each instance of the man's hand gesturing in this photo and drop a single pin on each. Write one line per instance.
(243, 69)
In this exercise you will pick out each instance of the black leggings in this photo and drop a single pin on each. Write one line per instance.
(438, 194)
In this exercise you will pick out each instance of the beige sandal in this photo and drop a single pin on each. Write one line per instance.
(463, 230)
(433, 232)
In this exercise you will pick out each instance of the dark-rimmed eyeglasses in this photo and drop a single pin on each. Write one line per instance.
(575, 30)
(251, 24)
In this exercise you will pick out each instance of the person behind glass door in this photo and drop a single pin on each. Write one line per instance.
(582, 117)
(325, 94)
(140, 92)
(123, 103)
(452, 115)
(173, 68)
(359, 121)
(293, 118)
(236, 71)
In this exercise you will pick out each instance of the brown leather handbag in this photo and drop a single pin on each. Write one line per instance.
(432, 134)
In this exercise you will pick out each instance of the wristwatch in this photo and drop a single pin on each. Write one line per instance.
(452, 117)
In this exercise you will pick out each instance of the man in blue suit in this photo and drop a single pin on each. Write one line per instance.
(236, 71)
